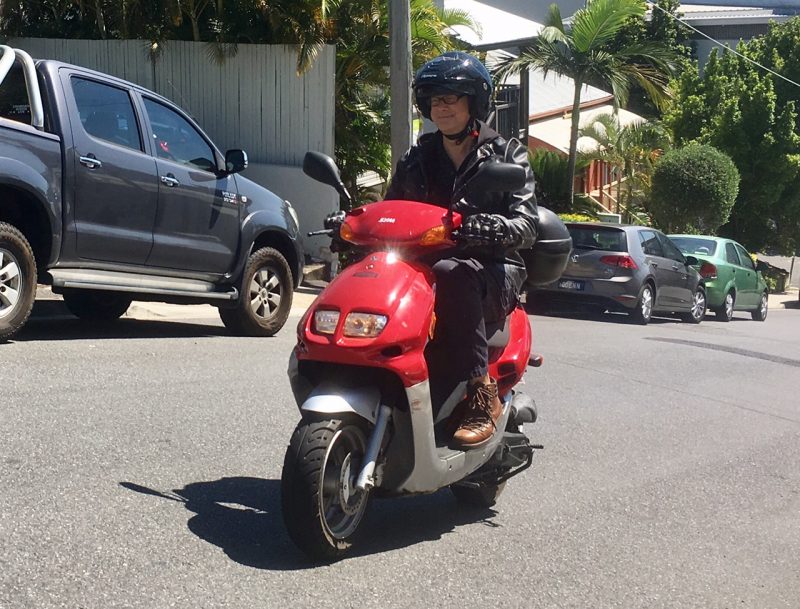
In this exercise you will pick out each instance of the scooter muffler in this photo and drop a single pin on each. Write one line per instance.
(523, 409)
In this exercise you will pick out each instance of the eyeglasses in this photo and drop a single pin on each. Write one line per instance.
(447, 100)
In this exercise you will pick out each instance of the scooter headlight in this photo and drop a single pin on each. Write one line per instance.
(364, 325)
(325, 322)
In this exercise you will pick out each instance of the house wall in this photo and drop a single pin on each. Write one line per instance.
(255, 100)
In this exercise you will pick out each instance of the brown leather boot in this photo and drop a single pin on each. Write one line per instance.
(479, 422)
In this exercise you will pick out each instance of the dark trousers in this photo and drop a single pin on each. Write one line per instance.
(469, 294)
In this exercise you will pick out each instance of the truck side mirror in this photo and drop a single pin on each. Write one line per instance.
(235, 161)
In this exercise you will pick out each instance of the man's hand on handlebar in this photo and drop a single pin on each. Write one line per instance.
(334, 220)
(485, 229)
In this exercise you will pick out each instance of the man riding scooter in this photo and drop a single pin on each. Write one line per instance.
(481, 283)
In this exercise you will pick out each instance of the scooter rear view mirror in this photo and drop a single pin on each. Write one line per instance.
(498, 177)
(322, 168)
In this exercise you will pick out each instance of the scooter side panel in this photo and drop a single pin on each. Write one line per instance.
(436, 467)
(511, 364)
(383, 284)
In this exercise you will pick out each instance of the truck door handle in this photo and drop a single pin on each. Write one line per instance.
(90, 161)
(170, 180)
(675, 267)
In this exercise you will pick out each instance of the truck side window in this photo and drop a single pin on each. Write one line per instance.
(177, 140)
(106, 113)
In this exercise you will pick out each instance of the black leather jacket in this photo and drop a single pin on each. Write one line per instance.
(413, 181)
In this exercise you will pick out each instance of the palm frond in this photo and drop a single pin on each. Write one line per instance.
(601, 20)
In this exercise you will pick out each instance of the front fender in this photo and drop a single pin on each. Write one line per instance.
(330, 399)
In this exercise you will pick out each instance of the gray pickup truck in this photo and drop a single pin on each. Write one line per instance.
(110, 193)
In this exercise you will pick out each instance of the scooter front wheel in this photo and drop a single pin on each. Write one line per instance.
(321, 506)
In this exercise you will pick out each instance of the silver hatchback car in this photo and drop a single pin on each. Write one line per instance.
(635, 269)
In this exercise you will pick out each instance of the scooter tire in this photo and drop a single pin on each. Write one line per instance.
(320, 512)
(483, 496)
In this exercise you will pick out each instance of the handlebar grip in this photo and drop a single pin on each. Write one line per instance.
(324, 231)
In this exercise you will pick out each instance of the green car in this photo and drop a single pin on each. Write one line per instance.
(733, 281)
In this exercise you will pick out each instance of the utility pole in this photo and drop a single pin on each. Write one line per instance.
(400, 76)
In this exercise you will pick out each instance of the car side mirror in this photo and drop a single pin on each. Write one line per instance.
(235, 161)
(690, 260)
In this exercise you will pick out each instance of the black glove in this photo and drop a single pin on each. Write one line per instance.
(333, 221)
(486, 229)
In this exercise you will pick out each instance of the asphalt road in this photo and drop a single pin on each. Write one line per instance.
(140, 467)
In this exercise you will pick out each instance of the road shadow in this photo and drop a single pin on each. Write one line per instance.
(609, 317)
(242, 516)
(70, 328)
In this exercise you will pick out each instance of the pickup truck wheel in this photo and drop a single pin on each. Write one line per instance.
(96, 305)
(266, 297)
(17, 280)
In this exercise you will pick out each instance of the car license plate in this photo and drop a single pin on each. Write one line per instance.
(570, 284)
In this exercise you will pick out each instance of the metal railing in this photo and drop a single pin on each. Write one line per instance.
(7, 57)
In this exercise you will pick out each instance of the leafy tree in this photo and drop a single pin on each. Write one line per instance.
(735, 108)
(584, 52)
(632, 150)
(694, 189)
(361, 35)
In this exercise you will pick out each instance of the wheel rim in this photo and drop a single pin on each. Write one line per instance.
(646, 303)
(729, 304)
(266, 293)
(341, 504)
(764, 305)
(10, 283)
(698, 304)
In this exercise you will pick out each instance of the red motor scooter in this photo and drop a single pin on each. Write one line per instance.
(360, 378)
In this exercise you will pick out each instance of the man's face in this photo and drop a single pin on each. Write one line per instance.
(450, 117)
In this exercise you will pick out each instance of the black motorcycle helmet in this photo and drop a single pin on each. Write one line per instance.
(454, 72)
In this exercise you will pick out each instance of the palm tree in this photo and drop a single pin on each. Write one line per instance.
(631, 149)
(583, 51)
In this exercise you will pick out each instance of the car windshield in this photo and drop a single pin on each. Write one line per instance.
(598, 238)
(695, 245)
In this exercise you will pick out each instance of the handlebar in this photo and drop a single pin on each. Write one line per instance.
(324, 231)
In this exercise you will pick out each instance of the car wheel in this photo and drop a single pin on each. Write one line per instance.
(17, 280)
(644, 307)
(760, 314)
(96, 305)
(266, 297)
(725, 312)
(699, 306)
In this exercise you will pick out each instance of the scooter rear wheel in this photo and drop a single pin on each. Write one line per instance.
(321, 506)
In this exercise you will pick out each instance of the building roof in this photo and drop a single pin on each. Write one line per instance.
(700, 14)
(497, 27)
(555, 131)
